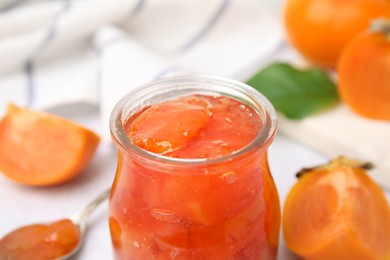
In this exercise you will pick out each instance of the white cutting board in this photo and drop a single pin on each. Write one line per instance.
(339, 131)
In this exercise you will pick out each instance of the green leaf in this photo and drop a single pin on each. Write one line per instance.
(295, 93)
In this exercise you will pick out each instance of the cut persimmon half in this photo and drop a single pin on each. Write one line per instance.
(41, 149)
(337, 212)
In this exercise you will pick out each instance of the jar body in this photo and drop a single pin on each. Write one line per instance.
(193, 209)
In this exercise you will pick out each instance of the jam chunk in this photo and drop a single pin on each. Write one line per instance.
(195, 126)
(168, 126)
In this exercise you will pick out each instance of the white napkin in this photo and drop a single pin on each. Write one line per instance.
(60, 52)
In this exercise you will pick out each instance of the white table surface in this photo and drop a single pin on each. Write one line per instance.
(20, 205)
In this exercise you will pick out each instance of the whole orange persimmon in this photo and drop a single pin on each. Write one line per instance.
(336, 212)
(320, 29)
(364, 72)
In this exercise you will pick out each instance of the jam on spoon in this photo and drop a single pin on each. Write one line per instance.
(58, 240)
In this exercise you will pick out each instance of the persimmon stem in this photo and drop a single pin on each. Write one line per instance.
(338, 161)
(381, 25)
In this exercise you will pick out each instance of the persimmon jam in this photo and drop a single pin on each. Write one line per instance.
(40, 241)
(188, 208)
(195, 127)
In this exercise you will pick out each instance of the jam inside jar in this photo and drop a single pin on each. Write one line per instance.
(193, 180)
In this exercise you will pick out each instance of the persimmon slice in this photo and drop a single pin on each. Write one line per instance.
(337, 212)
(40, 149)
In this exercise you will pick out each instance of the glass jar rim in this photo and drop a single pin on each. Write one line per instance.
(120, 137)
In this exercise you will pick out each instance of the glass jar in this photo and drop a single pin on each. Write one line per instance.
(225, 207)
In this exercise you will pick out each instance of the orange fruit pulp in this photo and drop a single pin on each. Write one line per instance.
(228, 210)
(42, 149)
(337, 212)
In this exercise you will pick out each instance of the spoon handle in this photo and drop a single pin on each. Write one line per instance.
(80, 218)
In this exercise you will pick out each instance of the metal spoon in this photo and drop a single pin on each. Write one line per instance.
(18, 242)
(79, 219)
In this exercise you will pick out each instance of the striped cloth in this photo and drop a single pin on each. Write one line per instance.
(58, 52)
(61, 52)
